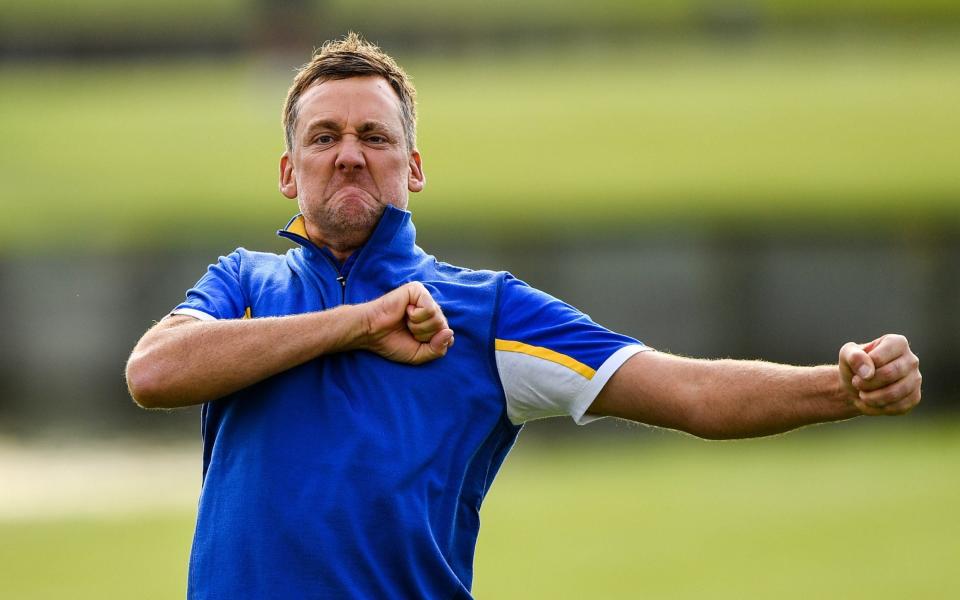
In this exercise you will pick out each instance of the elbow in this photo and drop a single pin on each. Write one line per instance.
(145, 382)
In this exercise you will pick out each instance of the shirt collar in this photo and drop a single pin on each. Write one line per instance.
(394, 234)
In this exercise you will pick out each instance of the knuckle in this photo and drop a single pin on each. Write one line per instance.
(892, 372)
(893, 394)
(900, 370)
(885, 396)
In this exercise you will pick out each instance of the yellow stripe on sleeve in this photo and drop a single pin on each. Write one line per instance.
(247, 314)
(546, 354)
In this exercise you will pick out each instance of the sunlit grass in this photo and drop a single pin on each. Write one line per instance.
(761, 134)
(827, 514)
(838, 512)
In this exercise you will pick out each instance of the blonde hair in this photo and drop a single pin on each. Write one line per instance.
(352, 56)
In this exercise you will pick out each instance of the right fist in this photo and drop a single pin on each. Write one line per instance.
(406, 325)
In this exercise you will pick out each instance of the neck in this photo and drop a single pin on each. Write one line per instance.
(340, 255)
(340, 246)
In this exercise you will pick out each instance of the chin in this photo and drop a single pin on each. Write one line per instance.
(355, 217)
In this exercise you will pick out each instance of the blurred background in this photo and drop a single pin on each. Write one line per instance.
(742, 178)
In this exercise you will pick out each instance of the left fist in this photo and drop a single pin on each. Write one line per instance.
(881, 377)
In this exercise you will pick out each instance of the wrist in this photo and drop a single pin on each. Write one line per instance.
(843, 395)
(355, 319)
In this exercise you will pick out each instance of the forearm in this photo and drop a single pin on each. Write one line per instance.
(738, 399)
(722, 399)
(197, 361)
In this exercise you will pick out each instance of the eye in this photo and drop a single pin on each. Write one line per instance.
(377, 139)
(323, 139)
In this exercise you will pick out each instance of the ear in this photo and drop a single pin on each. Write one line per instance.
(288, 183)
(416, 180)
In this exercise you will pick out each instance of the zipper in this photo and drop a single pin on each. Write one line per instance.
(341, 278)
(359, 254)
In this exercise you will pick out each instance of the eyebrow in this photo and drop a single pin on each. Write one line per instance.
(368, 126)
(331, 125)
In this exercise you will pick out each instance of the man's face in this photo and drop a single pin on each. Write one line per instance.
(349, 160)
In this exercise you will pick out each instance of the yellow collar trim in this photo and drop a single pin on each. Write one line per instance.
(298, 226)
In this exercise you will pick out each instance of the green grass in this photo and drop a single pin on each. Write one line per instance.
(819, 514)
(433, 17)
(833, 512)
(437, 17)
(848, 135)
(26, 19)
(142, 557)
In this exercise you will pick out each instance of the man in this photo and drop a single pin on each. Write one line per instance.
(348, 441)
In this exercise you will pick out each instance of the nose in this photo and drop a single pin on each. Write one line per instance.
(350, 157)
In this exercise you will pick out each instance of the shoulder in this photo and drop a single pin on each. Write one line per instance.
(251, 263)
(466, 281)
(243, 258)
(518, 296)
(257, 259)
(251, 269)
(467, 275)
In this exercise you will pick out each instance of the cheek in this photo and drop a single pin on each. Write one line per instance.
(400, 170)
(313, 174)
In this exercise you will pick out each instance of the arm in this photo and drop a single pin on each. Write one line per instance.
(183, 361)
(725, 399)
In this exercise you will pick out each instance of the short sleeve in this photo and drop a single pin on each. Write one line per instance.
(552, 359)
(218, 294)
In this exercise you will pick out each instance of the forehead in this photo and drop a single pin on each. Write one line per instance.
(353, 99)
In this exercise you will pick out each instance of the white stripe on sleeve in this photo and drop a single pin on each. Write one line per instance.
(192, 312)
(604, 373)
(536, 388)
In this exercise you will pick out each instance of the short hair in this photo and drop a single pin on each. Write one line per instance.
(352, 56)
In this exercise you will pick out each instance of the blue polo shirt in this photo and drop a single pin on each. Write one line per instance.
(351, 476)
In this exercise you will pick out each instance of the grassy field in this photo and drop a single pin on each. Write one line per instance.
(848, 134)
(837, 512)
(436, 17)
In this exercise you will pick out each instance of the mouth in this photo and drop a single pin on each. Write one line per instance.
(351, 192)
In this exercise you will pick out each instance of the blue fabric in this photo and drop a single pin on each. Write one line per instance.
(351, 476)
(536, 318)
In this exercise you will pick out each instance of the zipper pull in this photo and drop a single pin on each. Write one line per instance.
(342, 280)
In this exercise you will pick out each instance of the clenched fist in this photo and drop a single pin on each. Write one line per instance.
(881, 377)
(406, 325)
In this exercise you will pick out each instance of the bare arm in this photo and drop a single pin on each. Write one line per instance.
(183, 361)
(722, 399)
